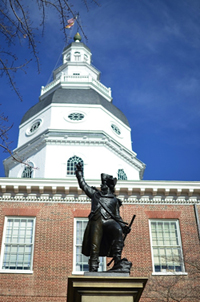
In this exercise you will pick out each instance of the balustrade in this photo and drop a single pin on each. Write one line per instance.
(76, 79)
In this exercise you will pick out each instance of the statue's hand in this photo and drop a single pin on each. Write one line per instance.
(126, 229)
(79, 167)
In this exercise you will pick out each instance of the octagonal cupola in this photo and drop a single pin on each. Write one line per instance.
(77, 52)
(76, 71)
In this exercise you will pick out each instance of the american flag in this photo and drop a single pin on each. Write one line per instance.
(70, 23)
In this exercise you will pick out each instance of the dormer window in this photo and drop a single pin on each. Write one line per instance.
(77, 56)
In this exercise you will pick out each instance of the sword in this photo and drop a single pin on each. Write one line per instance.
(130, 224)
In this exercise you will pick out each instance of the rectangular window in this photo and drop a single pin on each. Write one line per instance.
(166, 246)
(80, 261)
(17, 246)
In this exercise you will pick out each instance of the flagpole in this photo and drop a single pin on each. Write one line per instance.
(77, 17)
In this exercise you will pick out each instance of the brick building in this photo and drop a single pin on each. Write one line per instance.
(43, 213)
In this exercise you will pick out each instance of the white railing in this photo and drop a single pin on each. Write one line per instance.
(77, 80)
(46, 88)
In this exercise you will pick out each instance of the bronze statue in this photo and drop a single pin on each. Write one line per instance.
(105, 231)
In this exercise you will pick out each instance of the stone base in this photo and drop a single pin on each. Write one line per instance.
(105, 288)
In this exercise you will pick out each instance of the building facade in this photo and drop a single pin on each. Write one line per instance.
(43, 213)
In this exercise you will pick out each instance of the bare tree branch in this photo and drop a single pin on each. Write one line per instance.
(15, 26)
(177, 287)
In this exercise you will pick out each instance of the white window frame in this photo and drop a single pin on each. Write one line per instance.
(165, 246)
(20, 271)
(75, 272)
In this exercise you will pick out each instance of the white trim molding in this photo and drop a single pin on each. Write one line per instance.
(67, 191)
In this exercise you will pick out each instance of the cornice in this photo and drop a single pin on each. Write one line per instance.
(67, 191)
(86, 140)
(59, 198)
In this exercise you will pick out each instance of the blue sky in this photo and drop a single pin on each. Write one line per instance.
(148, 53)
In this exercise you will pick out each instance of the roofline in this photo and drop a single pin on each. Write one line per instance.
(49, 99)
(79, 44)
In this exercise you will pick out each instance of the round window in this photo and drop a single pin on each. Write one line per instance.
(33, 128)
(116, 129)
(76, 116)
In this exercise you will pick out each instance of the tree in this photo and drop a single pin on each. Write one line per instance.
(16, 24)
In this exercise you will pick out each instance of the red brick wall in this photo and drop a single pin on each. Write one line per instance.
(137, 248)
(53, 250)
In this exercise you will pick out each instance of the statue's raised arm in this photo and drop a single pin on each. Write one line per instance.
(89, 191)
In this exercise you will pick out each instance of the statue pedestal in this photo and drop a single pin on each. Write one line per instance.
(109, 288)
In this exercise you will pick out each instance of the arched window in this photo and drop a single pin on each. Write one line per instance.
(67, 57)
(28, 171)
(121, 174)
(85, 57)
(77, 56)
(71, 164)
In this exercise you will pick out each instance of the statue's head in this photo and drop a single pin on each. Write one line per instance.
(108, 182)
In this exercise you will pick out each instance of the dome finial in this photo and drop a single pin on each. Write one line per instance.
(77, 37)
